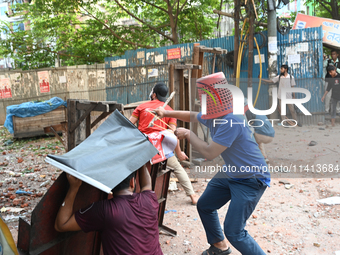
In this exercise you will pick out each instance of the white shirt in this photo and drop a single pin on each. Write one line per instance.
(285, 82)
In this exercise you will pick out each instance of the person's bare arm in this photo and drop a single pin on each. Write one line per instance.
(133, 120)
(324, 95)
(144, 179)
(186, 116)
(267, 81)
(65, 220)
(209, 151)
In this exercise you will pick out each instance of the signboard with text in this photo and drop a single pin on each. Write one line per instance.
(44, 81)
(5, 88)
(330, 27)
(174, 53)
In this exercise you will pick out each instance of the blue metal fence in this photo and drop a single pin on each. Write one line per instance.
(128, 80)
(307, 44)
(127, 75)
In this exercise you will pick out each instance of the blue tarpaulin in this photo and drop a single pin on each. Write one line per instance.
(30, 109)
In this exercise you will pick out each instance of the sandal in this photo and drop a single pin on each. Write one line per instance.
(216, 251)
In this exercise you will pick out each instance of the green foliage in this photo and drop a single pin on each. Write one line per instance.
(326, 8)
(85, 32)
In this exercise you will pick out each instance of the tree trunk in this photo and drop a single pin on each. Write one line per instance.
(172, 23)
(335, 9)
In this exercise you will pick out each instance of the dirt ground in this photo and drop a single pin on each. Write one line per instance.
(287, 220)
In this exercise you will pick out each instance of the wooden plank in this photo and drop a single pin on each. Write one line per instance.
(101, 107)
(34, 126)
(187, 66)
(83, 116)
(200, 62)
(211, 50)
(71, 120)
(101, 116)
(213, 64)
(57, 128)
(172, 84)
(88, 125)
(195, 61)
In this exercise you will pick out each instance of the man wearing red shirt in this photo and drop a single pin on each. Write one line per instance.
(143, 115)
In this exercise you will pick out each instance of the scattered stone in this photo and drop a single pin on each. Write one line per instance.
(289, 186)
(284, 182)
(16, 201)
(316, 244)
(45, 183)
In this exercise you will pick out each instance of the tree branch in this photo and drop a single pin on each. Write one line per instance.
(323, 2)
(116, 35)
(177, 12)
(185, 3)
(151, 27)
(160, 8)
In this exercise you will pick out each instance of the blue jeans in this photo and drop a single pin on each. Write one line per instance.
(243, 195)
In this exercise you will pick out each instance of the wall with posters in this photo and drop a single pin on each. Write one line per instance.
(77, 82)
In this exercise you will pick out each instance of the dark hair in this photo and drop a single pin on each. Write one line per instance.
(334, 51)
(330, 68)
(125, 184)
(285, 67)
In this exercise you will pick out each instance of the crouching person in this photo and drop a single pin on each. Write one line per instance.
(128, 222)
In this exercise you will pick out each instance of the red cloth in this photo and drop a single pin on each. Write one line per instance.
(144, 117)
(128, 224)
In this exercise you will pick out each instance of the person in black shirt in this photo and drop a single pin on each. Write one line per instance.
(334, 85)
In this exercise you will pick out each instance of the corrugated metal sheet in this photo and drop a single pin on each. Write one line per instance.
(308, 74)
(138, 85)
(128, 81)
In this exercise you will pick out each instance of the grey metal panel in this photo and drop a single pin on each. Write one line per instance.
(309, 72)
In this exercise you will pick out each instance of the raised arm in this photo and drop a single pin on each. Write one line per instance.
(267, 81)
(144, 179)
(185, 116)
(65, 220)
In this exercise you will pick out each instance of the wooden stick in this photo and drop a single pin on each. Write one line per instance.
(163, 127)
(160, 120)
(165, 104)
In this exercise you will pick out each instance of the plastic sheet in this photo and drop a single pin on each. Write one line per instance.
(30, 109)
(110, 154)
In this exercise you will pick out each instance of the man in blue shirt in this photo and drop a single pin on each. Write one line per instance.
(243, 178)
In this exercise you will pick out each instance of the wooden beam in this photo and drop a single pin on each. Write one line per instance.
(199, 72)
(88, 111)
(100, 106)
(195, 61)
(213, 64)
(172, 84)
(188, 66)
(71, 119)
(212, 50)
(88, 125)
(100, 117)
